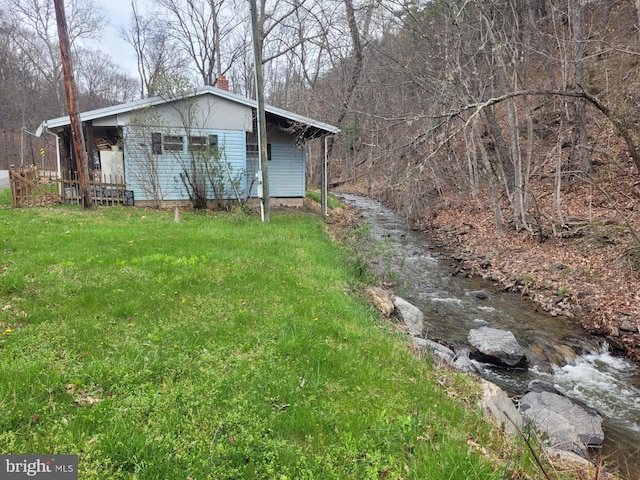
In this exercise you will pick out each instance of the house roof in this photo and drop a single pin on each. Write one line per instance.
(293, 118)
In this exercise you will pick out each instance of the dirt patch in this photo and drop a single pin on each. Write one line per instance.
(338, 222)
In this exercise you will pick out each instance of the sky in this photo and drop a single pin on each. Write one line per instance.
(121, 53)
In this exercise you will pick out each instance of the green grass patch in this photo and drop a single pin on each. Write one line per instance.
(216, 349)
(5, 197)
(332, 201)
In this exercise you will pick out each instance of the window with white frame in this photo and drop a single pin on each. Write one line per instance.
(173, 143)
(197, 143)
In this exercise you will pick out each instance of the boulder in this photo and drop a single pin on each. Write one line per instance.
(627, 325)
(497, 405)
(410, 315)
(381, 299)
(437, 350)
(480, 294)
(568, 424)
(542, 386)
(498, 347)
(465, 364)
(563, 457)
(462, 361)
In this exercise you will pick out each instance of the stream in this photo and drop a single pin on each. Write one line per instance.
(560, 351)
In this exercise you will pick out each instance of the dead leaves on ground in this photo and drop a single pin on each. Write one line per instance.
(593, 277)
(82, 397)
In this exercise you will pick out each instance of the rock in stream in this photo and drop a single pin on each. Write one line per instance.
(495, 346)
(567, 423)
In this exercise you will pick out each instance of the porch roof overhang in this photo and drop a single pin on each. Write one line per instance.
(305, 126)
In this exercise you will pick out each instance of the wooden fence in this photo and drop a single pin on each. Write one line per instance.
(31, 186)
(104, 190)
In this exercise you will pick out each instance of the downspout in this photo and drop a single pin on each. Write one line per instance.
(43, 129)
(58, 164)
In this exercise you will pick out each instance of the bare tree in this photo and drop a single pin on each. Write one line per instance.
(578, 26)
(19, 80)
(156, 54)
(474, 93)
(101, 82)
(201, 28)
(35, 34)
(149, 170)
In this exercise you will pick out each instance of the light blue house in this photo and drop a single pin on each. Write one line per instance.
(204, 143)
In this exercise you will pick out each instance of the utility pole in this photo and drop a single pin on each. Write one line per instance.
(262, 121)
(74, 117)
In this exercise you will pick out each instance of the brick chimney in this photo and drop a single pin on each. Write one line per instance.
(223, 83)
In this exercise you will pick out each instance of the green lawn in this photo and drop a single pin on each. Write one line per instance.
(216, 348)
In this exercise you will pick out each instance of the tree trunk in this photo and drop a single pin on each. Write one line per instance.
(497, 213)
(580, 108)
(358, 60)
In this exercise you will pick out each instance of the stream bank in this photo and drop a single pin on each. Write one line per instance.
(560, 350)
(589, 272)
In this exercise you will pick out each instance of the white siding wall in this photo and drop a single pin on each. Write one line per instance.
(205, 111)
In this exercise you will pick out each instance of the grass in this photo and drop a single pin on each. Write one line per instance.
(216, 348)
(332, 201)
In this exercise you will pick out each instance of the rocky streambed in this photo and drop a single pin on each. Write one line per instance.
(570, 426)
(551, 370)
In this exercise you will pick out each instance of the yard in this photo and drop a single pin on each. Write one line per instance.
(217, 347)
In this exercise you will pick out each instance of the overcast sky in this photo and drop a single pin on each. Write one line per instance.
(118, 13)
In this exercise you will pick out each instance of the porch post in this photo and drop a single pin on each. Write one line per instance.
(323, 181)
